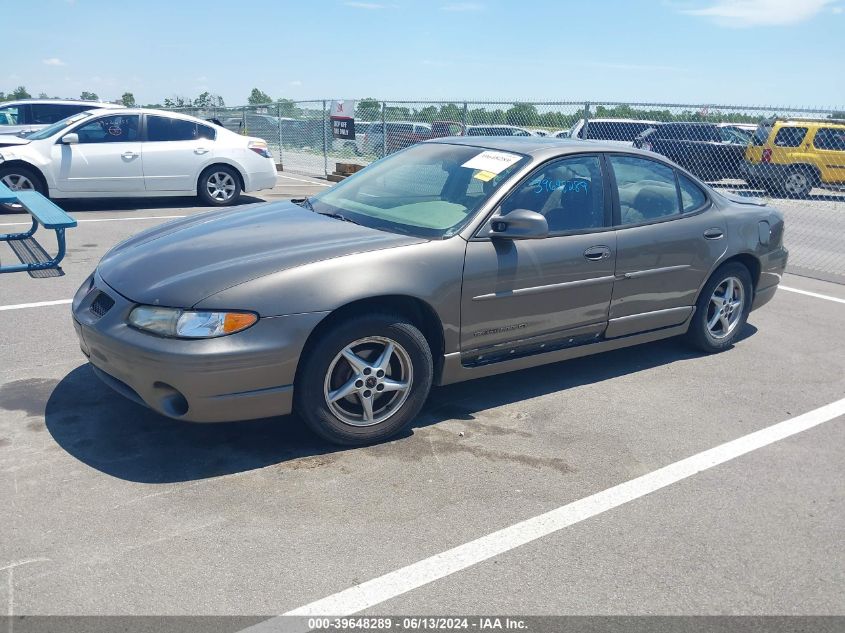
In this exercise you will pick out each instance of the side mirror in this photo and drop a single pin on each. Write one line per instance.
(70, 139)
(519, 224)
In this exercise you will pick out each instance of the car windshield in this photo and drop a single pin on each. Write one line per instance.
(57, 127)
(429, 190)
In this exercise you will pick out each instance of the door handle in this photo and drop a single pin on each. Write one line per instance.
(597, 253)
(200, 150)
(129, 155)
(713, 234)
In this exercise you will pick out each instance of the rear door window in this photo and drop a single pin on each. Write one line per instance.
(790, 136)
(647, 189)
(49, 113)
(161, 128)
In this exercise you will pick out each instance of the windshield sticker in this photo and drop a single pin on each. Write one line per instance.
(485, 176)
(494, 162)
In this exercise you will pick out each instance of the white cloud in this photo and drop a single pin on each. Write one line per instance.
(296, 82)
(462, 6)
(53, 61)
(836, 10)
(747, 13)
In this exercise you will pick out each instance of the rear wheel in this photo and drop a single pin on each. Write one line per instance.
(722, 308)
(219, 186)
(365, 380)
(797, 182)
(19, 179)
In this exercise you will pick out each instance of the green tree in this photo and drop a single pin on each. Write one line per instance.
(368, 109)
(288, 108)
(256, 97)
(20, 93)
(89, 96)
(128, 99)
(204, 100)
(522, 114)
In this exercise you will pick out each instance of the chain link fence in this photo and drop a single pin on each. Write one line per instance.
(793, 157)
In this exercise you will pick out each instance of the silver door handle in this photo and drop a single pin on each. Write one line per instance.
(597, 253)
(130, 155)
(200, 150)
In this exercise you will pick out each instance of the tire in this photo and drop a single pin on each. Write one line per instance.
(219, 186)
(707, 331)
(15, 178)
(797, 182)
(331, 390)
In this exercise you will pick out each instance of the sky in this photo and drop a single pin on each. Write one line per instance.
(735, 52)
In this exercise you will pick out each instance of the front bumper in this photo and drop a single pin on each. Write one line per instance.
(243, 376)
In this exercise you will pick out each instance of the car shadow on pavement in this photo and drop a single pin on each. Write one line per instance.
(142, 204)
(120, 438)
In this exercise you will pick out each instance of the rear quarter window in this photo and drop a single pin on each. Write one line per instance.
(692, 197)
(790, 136)
(830, 139)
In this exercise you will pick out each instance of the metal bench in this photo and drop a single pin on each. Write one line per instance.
(44, 213)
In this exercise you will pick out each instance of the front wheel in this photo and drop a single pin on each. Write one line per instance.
(219, 186)
(19, 179)
(722, 309)
(364, 380)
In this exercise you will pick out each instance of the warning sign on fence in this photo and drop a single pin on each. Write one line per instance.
(343, 119)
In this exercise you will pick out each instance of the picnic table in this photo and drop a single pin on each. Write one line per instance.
(44, 213)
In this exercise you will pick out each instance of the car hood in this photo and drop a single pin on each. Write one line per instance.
(181, 263)
(9, 139)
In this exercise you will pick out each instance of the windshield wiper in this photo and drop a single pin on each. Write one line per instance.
(304, 202)
(338, 216)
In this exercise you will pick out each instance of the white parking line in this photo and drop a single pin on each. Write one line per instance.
(811, 294)
(396, 583)
(40, 304)
(145, 217)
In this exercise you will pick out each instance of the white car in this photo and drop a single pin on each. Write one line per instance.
(615, 131)
(137, 153)
(28, 115)
(497, 130)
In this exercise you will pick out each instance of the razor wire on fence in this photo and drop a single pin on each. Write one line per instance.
(794, 157)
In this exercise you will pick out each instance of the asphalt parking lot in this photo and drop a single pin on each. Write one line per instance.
(110, 509)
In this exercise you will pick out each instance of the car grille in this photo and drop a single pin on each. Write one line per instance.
(102, 303)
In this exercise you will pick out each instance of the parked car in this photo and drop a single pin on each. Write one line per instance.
(617, 131)
(453, 259)
(401, 134)
(792, 156)
(538, 132)
(28, 115)
(136, 153)
(710, 152)
(497, 130)
(560, 134)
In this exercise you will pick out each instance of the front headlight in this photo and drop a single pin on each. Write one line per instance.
(176, 323)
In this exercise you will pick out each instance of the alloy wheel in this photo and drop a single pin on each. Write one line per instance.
(368, 381)
(17, 182)
(724, 311)
(220, 186)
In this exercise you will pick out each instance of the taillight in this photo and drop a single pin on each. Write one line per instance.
(260, 148)
(767, 156)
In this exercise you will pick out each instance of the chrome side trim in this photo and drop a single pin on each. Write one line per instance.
(654, 271)
(550, 288)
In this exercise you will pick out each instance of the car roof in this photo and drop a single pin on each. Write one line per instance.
(94, 104)
(612, 120)
(537, 145)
